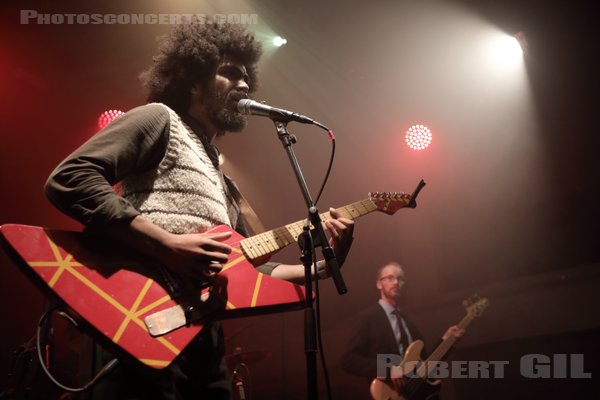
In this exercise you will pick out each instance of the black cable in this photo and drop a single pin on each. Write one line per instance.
(332, 137)
(106, 369)
(318, 297)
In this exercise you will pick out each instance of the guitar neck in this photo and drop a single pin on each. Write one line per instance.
(270, 242)
(439, 353)
(473, 311)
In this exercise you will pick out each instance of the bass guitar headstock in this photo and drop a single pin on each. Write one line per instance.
(476, 305)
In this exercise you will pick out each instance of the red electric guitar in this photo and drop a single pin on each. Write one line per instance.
(130, 303)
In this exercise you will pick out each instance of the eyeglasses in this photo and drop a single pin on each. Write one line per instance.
(393, 278)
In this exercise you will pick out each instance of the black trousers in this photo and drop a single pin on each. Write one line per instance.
(199, 372)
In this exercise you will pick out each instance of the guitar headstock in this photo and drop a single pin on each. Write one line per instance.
(475, 306)
(389, 203)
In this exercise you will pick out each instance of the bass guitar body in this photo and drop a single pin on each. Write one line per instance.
(405, 382)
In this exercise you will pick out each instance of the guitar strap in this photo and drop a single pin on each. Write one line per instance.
(250, 217)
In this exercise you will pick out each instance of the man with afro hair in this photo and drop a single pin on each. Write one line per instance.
(171, 188)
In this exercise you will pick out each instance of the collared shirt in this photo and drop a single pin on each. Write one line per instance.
(395, 324)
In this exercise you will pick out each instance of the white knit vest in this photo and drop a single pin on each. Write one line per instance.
(186, 193)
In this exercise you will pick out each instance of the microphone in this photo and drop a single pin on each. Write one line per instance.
(251, 107)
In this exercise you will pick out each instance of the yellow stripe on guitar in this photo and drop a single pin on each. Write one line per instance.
(256, 290)
(62, 264)
(162, 340)
(155, 363)
(152, 305)
(35, 264)
(119, 307)
(132, 311)
(233, 263)
(97, 290)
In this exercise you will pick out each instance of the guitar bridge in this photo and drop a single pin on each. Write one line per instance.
(172, 318)
(165, 321)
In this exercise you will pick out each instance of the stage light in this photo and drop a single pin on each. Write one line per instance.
(278, 41)
(418, 137)
(107, 116)
(522, 40)
(506, 50)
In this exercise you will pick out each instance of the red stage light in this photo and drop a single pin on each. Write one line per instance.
(107, 116)
(418, 137)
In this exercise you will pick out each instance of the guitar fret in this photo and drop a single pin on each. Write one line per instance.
(360, 208)
(255, 253)
(257, 246)
(261, 248)
(325, 216)
(297, 229)
(348, 212)
(248, 247)
(368, 206)
(351, 211)
(279, 239)
(268, 244)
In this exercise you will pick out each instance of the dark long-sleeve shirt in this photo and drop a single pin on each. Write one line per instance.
(82, 185)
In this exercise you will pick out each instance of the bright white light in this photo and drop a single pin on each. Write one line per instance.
(418, 137)
(278, 41)
(506, 50)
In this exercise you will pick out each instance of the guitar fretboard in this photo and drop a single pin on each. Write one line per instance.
(438, 354)
(270, 242)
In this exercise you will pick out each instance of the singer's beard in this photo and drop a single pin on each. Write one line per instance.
(223, 112)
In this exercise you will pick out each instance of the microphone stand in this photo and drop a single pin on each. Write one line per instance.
(307, 243)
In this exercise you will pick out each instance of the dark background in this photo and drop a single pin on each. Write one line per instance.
(511, 206)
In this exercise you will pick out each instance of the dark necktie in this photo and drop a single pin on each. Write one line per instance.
(403, 333)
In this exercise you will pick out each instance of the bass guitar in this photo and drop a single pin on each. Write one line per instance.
(413, 382)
